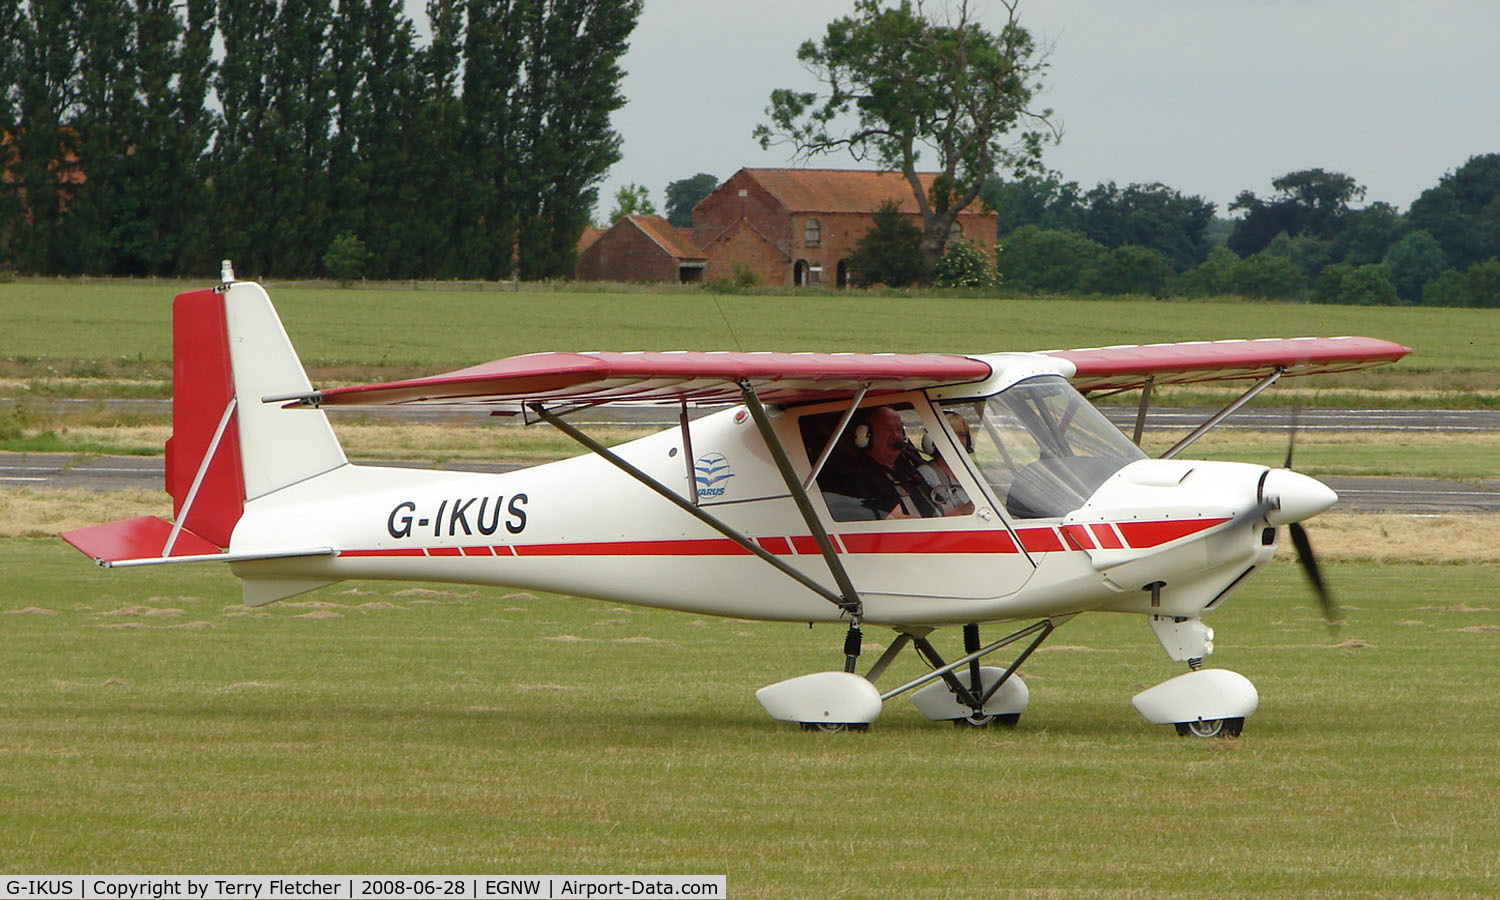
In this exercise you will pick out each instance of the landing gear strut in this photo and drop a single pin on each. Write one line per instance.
(983, 696)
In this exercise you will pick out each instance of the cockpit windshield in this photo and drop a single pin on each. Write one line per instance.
(1042, 447)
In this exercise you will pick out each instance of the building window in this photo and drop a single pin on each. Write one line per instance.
(813, 234)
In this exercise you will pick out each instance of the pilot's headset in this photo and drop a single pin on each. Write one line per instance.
(861, 434)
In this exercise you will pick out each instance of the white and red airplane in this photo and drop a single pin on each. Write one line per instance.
(904, 491)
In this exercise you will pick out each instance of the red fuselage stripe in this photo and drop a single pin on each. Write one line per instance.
(1137, 535)
(703, 547)
(930, 542)
(1108, 540)
(1142, 535)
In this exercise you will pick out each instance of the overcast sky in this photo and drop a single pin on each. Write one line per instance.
(1209, 97)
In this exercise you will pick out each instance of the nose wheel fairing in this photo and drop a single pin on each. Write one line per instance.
(1202, 703)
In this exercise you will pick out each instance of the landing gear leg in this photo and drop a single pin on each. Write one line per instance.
(988, 695)
(1203, 703)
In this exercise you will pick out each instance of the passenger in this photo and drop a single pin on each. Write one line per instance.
(947, 493)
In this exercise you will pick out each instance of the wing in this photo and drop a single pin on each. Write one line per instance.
(1125, 367)
(660, 377)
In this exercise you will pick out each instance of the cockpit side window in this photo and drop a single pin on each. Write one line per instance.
(1043, 448)
(875, 471)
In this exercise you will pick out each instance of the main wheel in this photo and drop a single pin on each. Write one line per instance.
(835, 727)
(1212, 728)
(981, 720)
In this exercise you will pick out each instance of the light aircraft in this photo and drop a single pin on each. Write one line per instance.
(899, 491)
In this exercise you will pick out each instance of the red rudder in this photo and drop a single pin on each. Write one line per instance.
(202, 391)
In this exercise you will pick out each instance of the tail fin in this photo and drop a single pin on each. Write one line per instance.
(227, 447)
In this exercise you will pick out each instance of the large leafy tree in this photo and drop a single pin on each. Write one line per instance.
(890, 251)
(630, 200)
(686, 193)
(1311, 201)
(1463, 211)
(1413, 261)
(896, 83)
(1150, 215)
(1044, 260)
(1042, 200)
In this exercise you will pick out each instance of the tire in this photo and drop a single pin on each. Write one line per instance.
(835, 727)
(980, 720)
(1212, 728)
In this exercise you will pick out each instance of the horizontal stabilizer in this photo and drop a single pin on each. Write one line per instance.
(143, 541)
(139, 538)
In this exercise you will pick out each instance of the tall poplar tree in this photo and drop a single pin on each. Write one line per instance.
(190, 133)
(396, 237)
(241, 166)
(12, 209)
(486, 208)
(42, 62)
(573, 86)
(107, 122)
(349, 66)
(299, 88)
(435, 162)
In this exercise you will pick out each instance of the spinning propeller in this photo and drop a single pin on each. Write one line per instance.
(1286, 498)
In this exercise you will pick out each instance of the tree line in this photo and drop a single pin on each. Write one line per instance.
(153, 137)
(1305, 241)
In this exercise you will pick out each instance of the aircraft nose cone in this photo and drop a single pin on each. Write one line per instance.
(1294, 497)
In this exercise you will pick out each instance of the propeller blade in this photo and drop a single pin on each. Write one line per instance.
(1314, 575)
(1291, 439)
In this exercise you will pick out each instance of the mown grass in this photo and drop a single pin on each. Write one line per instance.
(149, 724)
(57, 332)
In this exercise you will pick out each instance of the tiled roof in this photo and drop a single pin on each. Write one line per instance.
(589, 235)
(676, 241)
(838, 190)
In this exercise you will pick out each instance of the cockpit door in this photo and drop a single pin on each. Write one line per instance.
(898, 496)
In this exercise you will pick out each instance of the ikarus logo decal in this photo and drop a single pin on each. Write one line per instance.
(711, 471)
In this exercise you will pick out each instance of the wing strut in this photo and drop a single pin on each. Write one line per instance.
(693, 509)
(850, 602)
(1225, 413)
(1140, 411)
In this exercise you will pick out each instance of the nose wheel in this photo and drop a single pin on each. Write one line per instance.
(1212, 728)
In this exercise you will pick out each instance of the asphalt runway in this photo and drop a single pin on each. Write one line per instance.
(59, 471)
(1366, 494)
(1173, 419)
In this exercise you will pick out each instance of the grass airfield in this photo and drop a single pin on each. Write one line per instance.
(150, 724)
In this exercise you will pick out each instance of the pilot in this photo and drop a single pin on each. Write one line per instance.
(887, 474)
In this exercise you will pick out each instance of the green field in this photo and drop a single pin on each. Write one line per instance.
(54, 329)
(149, 724)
